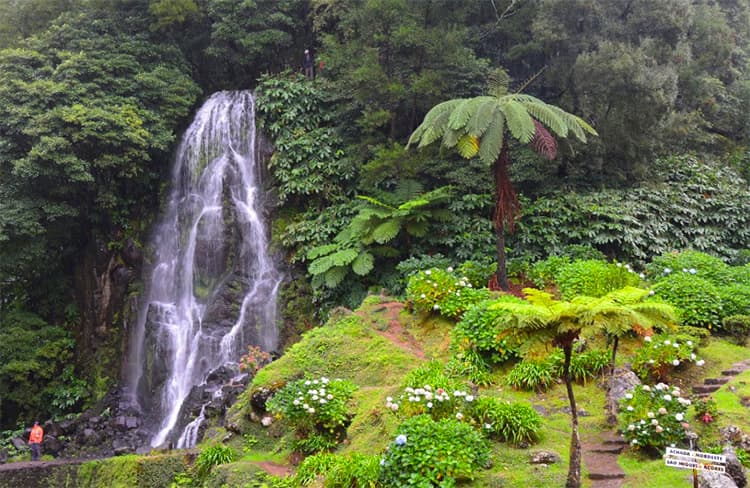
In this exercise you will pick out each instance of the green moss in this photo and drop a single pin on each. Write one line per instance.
(128, 471)
(344, 348)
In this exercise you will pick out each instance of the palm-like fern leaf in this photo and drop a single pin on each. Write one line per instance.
(492, 141)
(543, 142)
(363, 263)
(434, 124)
(520, 123)
(482, 117)
(468, 146)
(386, 231)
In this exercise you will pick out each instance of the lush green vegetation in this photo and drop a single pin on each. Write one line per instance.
(94, 94)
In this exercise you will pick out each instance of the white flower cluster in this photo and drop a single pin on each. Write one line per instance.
(627, 267)
(429, 397)
(675, 345)
(657, 422)
(317, 395)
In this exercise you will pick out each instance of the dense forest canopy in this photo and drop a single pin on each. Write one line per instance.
(95, 93)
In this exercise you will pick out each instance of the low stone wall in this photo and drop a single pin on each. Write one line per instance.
(156, 471)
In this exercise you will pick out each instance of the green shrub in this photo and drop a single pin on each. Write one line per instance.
(593, 278)
(654, 417)
(543, 273)
(352, 470)
(478, 273)
(532, 375)
(428, 288)
(428, 453)
(470, 364)
(478, 329)
(742, 258)
(583, 366)
(512, 422)
(213, 456)
(662, 354)
(456, 304)
(735, 299)
(319, 410)
(695, 333)
(431, 373)
(692, 262)
(737, 327)
(697, 299)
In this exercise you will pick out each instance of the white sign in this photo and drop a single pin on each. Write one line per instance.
(703, 461)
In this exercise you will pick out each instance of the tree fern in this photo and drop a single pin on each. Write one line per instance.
(386, 231)
(334, 276)
(363, 264)
(492, 141)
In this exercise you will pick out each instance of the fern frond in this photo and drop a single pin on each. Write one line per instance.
(468, 146)
(543, 142)
(375, 202)
(363, 264)
(463, 112)
(386, 231)
(492, 141)
(520, 123)
(318, 251)
(407, 189)
(344, 256)
(334, 276)
(541, 112)
(434, 123)
(483, 115)
(451, 136)
(417, 228)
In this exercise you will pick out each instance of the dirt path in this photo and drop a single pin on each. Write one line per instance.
(42, 464)
(394, 331)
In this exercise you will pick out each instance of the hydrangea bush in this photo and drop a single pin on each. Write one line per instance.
(427, 453)
(436, 402)
(662, 354)
(442, 291)
(319, 410)
(654, 417)
(697, 300)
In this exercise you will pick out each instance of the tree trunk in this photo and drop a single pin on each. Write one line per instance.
(574, 468)
(502, 271)
(506, 210)
(614, 355)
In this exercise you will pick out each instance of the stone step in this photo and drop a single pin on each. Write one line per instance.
(608, 448)
(606, 476)
(617, 441)
(699, 389)
(717, 381)
(733, 371)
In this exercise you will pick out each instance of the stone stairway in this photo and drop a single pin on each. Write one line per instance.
(600, 458)
(710, 385)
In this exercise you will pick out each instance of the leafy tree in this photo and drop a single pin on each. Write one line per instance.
(543, 321)
(88, 112)
(477, 127)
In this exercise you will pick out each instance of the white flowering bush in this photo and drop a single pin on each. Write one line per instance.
(436, 402)
(319, 409)
(654, 417)
(442, 291)
(664, 353)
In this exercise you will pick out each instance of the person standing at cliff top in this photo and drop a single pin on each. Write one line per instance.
(308, 63)
(35, 441)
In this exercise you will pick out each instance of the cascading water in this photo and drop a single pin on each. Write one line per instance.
(212, 287)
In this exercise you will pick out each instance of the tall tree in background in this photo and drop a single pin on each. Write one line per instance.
(479, 127)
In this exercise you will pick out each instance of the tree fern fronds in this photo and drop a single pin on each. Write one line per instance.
(436, 130)
(468, 146)
(386, 231)
(440, 111)
(323, 250)
(407, 189)
(417, 228)
(363, 263)
(543, 142)
(463, 112)
(498, 82)
(547, 117)
(334, 276)
(482, 117)
(520, 123)
(492, 141)
(375, 202)
(451, 136)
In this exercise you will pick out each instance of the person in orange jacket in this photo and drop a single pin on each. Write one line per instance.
(35, 441)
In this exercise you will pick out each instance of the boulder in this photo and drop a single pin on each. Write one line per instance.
(544, 457)
(733, 435)
(18, 443)
(3, 456)
(259, 398)
(50, 445)
(53, 428)
(122, 446)
(734, 467)
(710, 479)
(619, 384)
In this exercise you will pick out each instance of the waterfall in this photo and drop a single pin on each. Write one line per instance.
(212, 285)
